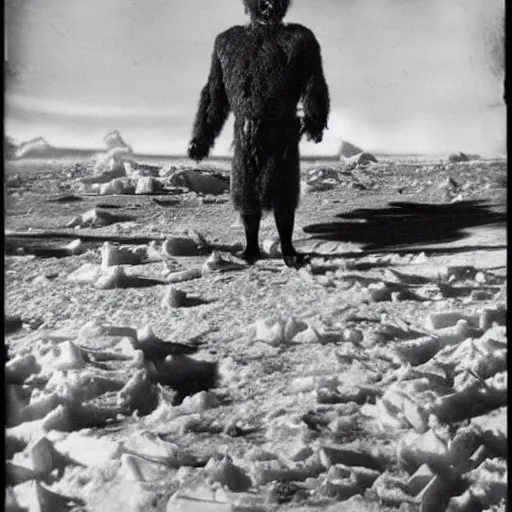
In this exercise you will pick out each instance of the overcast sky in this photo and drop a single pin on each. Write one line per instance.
(404, 75)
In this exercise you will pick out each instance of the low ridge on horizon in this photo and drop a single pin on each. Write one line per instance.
(70, 150)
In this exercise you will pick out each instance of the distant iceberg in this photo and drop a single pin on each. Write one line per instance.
(35, 148)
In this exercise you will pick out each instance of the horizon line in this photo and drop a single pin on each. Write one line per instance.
(180, 156)
(157, 155)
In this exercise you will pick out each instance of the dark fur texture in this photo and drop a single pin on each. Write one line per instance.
(260, 72)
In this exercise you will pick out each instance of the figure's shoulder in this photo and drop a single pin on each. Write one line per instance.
(300, 31)
(231, 34)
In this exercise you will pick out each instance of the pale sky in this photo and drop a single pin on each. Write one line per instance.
(404, 75)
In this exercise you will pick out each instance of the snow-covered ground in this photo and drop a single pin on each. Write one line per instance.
(373, 379)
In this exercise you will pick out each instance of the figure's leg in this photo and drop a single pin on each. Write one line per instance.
(285, 220)
(244, 197)
(251, 223)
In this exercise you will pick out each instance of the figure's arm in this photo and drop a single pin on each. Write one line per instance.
(315, 97)
(212, 112)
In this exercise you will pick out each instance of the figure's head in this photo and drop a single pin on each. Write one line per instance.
(266, 11)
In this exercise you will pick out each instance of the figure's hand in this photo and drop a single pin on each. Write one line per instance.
(315, 137)
(313, 130)
(197, 150)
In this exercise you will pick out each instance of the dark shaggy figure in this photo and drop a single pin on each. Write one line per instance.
(260, 72)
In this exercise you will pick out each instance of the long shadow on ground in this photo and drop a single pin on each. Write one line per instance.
(403, 223)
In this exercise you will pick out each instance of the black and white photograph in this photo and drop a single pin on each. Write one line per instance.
(255, 256)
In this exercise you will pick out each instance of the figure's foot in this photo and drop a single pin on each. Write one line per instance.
(252, 251)
(251, 255)
(295, 260)
(285, 218)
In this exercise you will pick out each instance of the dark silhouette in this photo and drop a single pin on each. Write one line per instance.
(408, 223)
(260, 72)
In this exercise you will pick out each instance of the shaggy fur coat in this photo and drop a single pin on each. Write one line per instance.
(261, 72)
